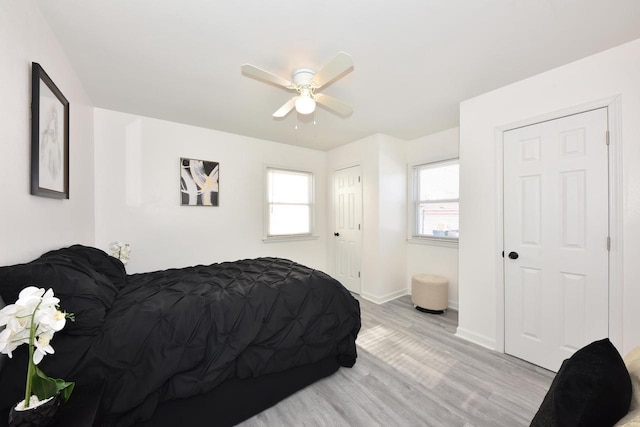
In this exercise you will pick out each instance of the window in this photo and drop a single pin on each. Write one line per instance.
(436, 199)
(289, 203)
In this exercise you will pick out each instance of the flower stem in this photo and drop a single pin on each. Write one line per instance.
(31, 366)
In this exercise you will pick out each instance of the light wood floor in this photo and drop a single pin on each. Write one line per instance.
(413, 371)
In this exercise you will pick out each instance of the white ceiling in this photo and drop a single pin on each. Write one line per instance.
(414, 61)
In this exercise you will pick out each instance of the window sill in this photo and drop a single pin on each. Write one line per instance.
(281, 239)
(433, 241)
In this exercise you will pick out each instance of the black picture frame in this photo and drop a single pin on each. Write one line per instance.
(49, 137)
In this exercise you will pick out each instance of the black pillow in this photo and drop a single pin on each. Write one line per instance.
(546, 416)
(81, 277)
(591, 389)
(100, 261)
(86, 280)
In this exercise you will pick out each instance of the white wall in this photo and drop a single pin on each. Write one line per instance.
(613, 72)
(138, 198)
(30, 225)
(383, 162)
(392, 221)
(134, 197)
(434, 258)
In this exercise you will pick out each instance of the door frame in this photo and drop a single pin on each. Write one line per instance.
(332, 215)
(613, 106)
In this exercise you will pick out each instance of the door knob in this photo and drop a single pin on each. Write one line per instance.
(336, 234)
(513, 255)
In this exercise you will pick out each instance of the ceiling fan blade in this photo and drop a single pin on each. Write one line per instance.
(338, 65)
(332, 103)
(260, 74)
(286, 108)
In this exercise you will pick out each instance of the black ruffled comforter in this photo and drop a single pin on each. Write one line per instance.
(177, 333)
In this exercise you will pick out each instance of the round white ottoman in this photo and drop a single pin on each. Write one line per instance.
(430, 293)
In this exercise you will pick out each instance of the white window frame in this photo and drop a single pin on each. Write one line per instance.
(274, 238)
(414, 186)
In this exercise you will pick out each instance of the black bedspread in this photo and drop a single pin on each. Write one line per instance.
(181, 332)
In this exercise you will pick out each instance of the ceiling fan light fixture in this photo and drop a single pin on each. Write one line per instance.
(305, 104)
(307, 82)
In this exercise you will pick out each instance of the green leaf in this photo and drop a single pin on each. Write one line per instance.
(45, 387)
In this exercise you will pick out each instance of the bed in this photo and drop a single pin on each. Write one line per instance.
(216, 343)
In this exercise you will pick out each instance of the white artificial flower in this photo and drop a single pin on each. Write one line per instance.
(30, 291)
(48, 300)
(5, 340)
(28, 300)
(34, 306)
(120, 250)
(7, 314)
(12, 338)
(52, 319)
(43, 347)
(16, 331)
(32, 320)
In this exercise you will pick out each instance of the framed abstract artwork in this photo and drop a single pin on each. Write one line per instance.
(199, 182)
(49, 137)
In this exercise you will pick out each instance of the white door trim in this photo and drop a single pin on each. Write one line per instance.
(613, 105)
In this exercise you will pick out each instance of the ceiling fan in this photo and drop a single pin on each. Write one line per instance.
(306, 82)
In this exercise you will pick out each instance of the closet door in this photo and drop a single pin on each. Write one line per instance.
(556, 219)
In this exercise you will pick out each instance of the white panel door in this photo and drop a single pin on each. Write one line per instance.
(348, 226)
(556, 226)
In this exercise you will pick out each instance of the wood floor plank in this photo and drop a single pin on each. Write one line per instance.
(413, 371)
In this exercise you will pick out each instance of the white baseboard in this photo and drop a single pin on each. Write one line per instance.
(384, 298)
(476, 338)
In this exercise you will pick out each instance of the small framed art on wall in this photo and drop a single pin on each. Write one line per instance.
(199, 182)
